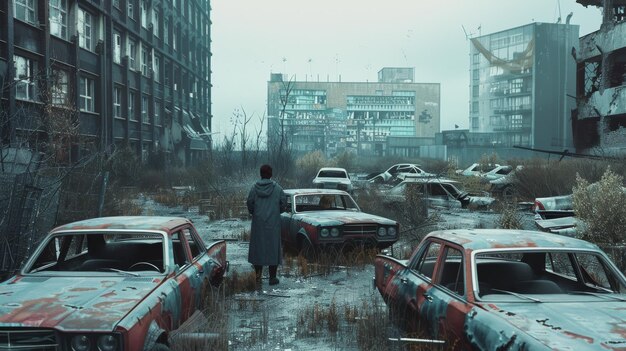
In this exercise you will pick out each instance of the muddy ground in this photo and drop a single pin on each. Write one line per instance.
(313, 308)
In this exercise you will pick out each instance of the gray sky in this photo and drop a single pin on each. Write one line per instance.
(355, 39)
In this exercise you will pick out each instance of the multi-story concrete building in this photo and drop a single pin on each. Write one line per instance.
(522, 83)
(600, 120)
(360, 116)
(133, 72)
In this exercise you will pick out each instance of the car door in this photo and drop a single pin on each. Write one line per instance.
(202, 266)
(186, 277)
(413, 285)
(445, 306)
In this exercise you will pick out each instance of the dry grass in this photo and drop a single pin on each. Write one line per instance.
(327, 261)
(237, 282)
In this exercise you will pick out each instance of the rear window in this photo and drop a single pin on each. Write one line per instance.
(333, 174)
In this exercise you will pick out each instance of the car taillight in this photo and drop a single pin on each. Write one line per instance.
(538, 206)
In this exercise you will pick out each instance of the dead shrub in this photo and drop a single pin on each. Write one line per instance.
(236, 282)
(509, 218)
(543, 178)
(307, 167)
(601, 207)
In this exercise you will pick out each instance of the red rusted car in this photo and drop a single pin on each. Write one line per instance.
(507, 290)
(318, 219)
(109, 284)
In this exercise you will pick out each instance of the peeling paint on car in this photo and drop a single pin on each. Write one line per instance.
(72, 302)
(547, 321)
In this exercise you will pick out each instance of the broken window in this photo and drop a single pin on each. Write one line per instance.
(426, 263)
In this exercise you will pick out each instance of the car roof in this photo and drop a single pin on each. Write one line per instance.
(332, 169)
(428, 180)
(479, 239)
(314, 191)
(155, 223)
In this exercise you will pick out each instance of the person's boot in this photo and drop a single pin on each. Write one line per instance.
(273, 279)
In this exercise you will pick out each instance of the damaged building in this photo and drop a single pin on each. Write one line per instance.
(393, 116)
(521, 83)
(599, 122)
(119, 72)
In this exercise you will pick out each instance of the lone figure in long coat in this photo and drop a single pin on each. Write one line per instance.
(266, 201)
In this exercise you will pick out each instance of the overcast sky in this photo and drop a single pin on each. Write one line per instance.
(355, 39)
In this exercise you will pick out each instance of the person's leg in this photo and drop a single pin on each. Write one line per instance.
(258, 270)
(273, 279)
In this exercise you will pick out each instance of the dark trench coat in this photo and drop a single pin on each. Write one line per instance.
(265, 202)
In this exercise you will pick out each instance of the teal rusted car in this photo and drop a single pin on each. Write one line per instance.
(109, 284)
(326, 219)
(507, 290)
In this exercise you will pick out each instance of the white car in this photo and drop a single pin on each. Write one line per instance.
(333, 178)
(438, 191)
(401, 171)
(477, 169)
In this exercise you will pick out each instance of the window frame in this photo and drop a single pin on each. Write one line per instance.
(29, 7)
(26, 80)
(131, 105)
(117, 47)
(86, 32)
(62, 9)
(58, 95)
(86, 94)
(117, 102)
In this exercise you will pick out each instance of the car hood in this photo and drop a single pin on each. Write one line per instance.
(578, 325)
(338, 217)
(71, 303)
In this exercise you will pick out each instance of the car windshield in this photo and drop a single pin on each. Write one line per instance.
(325, 202)
(125, 253)
(519, 274)
(333, 174)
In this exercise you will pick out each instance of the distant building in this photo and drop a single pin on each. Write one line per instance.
(358, 116)
(600, 120)
(522, 83)
(126, 72)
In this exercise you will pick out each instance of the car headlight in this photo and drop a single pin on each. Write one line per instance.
(107, 343)
(81, 343)
(382, 231)
(334, 232)
(392, 231)
(324, 232)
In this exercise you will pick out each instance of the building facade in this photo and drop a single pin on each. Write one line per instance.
(600, 120)
(522, 83)
(119, 72)
(356, 116)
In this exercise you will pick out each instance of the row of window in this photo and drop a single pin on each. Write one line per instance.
(87, 27)
(26, 88)
(132, 100)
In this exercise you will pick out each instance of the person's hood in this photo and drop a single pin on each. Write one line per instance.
(264, 187)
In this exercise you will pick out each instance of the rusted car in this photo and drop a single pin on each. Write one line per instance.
(107, 284)
(318, 219)
(492, 289)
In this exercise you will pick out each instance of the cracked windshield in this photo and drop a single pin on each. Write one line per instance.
(193, 175)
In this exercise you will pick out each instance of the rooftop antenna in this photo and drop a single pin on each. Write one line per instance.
(558, 4)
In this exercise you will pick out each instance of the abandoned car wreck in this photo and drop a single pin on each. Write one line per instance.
(492, 289)
(112, 283)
